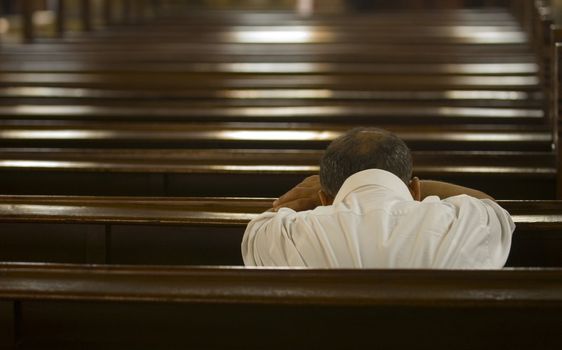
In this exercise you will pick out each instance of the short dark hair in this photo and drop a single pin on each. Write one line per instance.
(360, 149)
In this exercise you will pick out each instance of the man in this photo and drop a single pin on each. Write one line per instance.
(365, 210)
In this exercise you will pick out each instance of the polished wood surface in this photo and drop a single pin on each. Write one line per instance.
(555, 104)
(248, 172)
(355, 113)
(463, 88)
(194, 231)
(446, 81)
(207, 210)
(62, 306)
(508, 287)
(266, 135)
(241, 104)
(456, 80)
(159, 80)
(346, 98)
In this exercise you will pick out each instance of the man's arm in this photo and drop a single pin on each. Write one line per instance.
(446, 190)
(304, 196)
(271, 239)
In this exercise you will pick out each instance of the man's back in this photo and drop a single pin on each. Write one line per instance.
(375, 223)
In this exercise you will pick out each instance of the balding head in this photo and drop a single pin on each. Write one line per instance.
(361, 149)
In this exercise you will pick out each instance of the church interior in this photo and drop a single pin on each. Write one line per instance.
(139, 137)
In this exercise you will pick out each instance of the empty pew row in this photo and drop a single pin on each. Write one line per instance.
(68, 96)
(249, 172)
(508, 37)
(69, 307)
(186, 52)
(497, 16)
(194, 231)
(527, 67)
(111, 12)
(494, 21)
(75, 134)
(405, 16)
(251, 35)
(274, 67)
(161, 171)
(139, 11)
(373, 114)
(423, 26)
(539, 24)
(361, 113)
(157, 80)
(555, 105)
(47, 97)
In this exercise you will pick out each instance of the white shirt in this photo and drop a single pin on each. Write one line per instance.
(375, 223)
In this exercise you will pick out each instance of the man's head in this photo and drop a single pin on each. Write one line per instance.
(361, 149)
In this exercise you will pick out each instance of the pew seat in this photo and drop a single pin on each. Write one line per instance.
(114, 307)
(61, 96)
(212, 53)
(248, 172)
(150, 134)
(178, 80)
(194, 231)
(365, 113)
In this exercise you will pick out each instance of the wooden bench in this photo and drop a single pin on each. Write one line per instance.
(245, 172)
(203, 231)
(266, 135)
(46, 306)
(357, 113)
(556, 109)
(110, 307)
(64, 96)
(175, 80)
(198, 60)
(113, 12)
(25, 66)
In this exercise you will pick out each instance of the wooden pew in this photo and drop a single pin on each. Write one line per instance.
(331, 39)
(245, 172)
(518, 130)
(86, 15)
(159, 80)
(556, 115)
(525, 138)
(61, 96)
(554, 57)
(69, 307)
(344, 114)
(208, 52)
(327, 40)
(190, 231)
(537, 19)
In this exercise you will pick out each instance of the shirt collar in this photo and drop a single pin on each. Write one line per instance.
(373, 177)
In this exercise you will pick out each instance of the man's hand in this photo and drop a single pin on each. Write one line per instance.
(303, 196)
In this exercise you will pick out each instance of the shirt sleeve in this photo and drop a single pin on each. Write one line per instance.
(267, 241)
(486, 230)
(503, 227)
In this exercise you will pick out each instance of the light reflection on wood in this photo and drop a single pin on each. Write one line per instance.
(185, 131)
(77, 112)
(242, 94)
(178, 81)
(277, 67)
